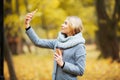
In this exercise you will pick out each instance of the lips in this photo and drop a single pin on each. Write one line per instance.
(62, 27)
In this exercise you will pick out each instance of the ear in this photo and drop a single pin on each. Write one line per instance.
(77, 30)
(72, 30)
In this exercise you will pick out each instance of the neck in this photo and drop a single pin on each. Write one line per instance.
(70, 34)
(67, 35)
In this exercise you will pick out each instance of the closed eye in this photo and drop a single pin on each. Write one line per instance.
(65, 23)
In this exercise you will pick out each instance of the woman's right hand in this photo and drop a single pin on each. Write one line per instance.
(58, 51)
(28, 18)
(58, 57)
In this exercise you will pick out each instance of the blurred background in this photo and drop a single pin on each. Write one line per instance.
(101, 20)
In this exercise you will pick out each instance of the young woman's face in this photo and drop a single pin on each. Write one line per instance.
(65, 28)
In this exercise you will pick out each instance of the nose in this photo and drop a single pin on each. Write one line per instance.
(62, 25)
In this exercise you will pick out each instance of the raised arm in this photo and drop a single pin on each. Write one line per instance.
(33, 36)
(44, 43)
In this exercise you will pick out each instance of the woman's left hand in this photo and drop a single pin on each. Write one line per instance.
(58, 58)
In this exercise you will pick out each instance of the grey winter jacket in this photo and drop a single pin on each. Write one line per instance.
(74, 57)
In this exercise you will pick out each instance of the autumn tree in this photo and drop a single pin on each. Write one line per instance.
(1, 43)
(7, 51)
(108, 24)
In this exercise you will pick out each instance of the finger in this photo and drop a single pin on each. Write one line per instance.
(57, 52)
(56, 58)
(56, 55)
(34, 11)
(29, 14)
(28, 17)
(60, 52)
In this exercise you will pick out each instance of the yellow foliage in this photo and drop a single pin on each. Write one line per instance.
(40, 66)
(54, 13)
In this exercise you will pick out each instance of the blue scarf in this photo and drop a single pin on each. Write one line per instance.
(70, 41)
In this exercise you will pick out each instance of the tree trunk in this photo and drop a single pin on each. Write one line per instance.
(7, 53)
(8, 9)
(17, 7)
(108, 43)
(26, 5)
(106, 35)
(1, 43)
(8, 58)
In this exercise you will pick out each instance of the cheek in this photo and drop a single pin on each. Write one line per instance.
(66, 30)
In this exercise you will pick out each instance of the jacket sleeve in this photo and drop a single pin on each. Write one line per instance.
(79, 66)
(44, 43)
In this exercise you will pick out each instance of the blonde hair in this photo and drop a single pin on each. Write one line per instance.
(75, 23)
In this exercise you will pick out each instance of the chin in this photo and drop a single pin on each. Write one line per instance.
(62, 32)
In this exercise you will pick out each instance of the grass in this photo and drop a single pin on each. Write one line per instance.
(40, 67)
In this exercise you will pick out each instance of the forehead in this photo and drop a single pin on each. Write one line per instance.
(66, 21)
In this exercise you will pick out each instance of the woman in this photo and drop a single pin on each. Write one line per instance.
(70, 53)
